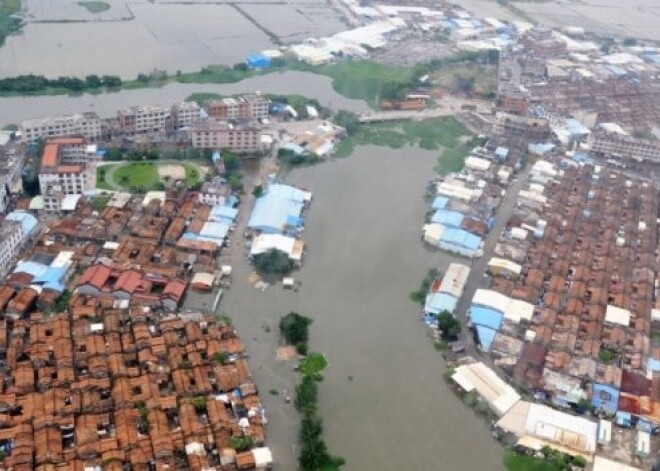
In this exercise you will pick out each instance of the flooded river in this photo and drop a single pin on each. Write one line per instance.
(383, 400)
(16, 109)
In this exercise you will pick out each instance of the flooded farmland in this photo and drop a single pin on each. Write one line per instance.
(136, 37)
(383, 400)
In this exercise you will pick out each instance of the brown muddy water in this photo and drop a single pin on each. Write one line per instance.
(383, 400)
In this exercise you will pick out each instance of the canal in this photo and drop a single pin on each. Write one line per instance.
(383, 400)
(13, 110)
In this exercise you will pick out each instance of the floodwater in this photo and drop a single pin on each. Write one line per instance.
(383, 400)
(13, 110)
(134, 37)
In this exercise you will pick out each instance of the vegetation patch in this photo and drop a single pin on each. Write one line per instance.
(273, 262)
(99, 202)
(430, 134)
(314, 455)
(553, 460)
(419, 295)
(201, 98)
(95, 6)
(313, 364)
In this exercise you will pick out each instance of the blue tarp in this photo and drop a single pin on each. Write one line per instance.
(231, 201)
(447, 217)
(501, 153)
(439, 202)
(605, 397)
(438, 302)
(486, 317)
(486, 336)
(653, 365)
(624, 419)
(28, 221)
(272, 210)
(216, 156)
(258, 61)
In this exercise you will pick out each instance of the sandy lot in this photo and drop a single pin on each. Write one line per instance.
(172, 171)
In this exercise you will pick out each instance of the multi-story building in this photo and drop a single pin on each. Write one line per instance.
(214, 192)
(185, 113)
(87, 125)
(253, 106)
(244, 138)
(143, 119)
(521, 127)
(58, 177)
(618, 144)
(11, 239)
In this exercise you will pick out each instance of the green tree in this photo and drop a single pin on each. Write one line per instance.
(235, 180)
(258, 191)
(241, 67)
(93, 81)
(449, 325)
(240, 444)
(294, 328)
(62, 303)
(232, 161)
(307, 393)
(347, 120)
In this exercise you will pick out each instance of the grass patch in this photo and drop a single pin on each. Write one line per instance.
(95, 6)
(430, 134)
(192, 175)
(482, 77)
(140, 175)
(360, 79)
(201, 98)
(101, 172)
(313, 364)
(8, 22)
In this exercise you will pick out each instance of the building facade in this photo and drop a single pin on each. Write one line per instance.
(242, 138)
(185, 113)
(143, 119)
(619, 145)
(11, 239)
(87, 125)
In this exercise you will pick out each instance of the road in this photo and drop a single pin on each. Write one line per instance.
(446, 107)
(478, 267)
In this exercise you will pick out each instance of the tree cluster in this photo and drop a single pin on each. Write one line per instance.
(35, 83)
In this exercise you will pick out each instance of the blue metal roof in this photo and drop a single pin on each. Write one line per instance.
(486, 336)
(653, 365)
(272, 210)
(223, 212)
(439, 202)
(486, 317)
(31, 268)
(215, 156)
(575, 127)
(438, 302)
(447, 217)
(461, 238)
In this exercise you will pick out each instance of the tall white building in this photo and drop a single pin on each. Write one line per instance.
(87, 125)
(58, 177)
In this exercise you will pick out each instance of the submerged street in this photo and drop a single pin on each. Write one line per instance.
(383, 400)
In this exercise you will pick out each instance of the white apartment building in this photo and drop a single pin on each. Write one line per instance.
(185, 113)
(143, 119)
(241, 138)
(214, 192)
(87, 125)
(621, 145)
(11, 240)
(58, 178)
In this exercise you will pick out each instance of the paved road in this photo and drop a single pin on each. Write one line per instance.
(479, 265)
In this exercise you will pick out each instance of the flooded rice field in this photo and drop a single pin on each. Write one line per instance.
(134, 37)
(383, 400)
